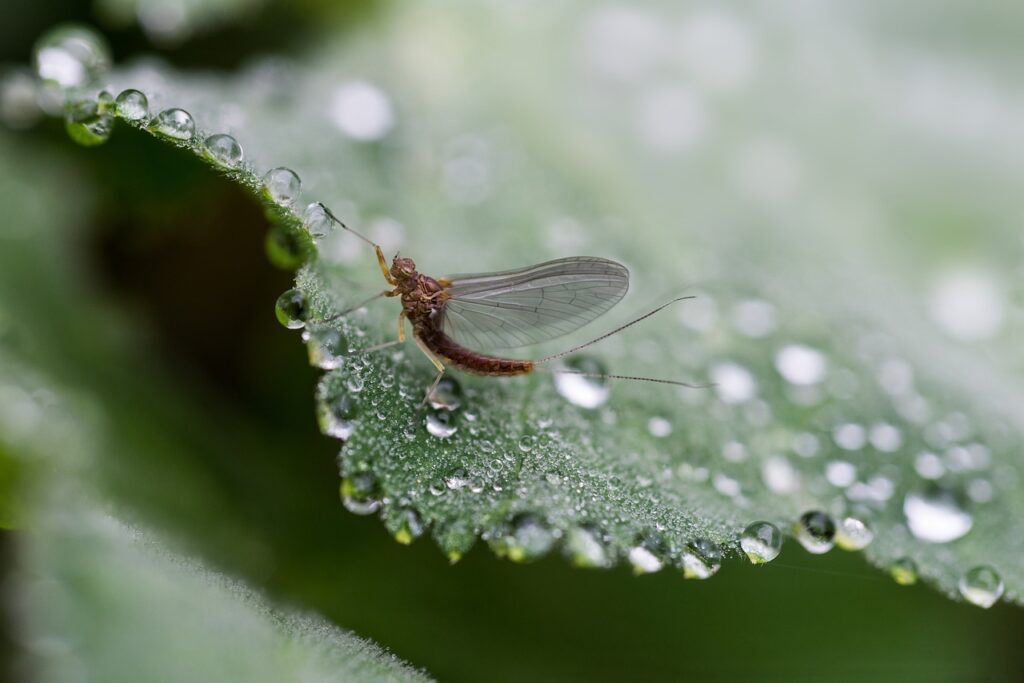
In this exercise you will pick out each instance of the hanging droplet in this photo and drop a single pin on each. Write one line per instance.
(530, 539)
(223, 150)
(701, 559)
(981, 586)
(853, 534)
(579, 389)
(359, 493)
(291, 309)
(70, 56)
(904, 571)
(410, 526)
(440, 423)
(88, 121)
(175, 123)
(584, 546)
(646, 556)
(282, 185)
(816, 532)
(326, 348)
(455, 538)
(284, 249)
(335, 416)
(447, 395)
(761, 541)
(132, 105)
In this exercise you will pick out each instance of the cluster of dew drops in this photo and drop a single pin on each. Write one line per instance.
(71, 60)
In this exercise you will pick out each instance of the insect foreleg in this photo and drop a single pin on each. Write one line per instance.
(386, 292)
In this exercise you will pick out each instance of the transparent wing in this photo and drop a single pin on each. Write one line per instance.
(531, 305)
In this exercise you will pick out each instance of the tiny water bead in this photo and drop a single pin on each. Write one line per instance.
(292, 309)
(410, 526)
(936, 515)
(580, 390)
(701, 559)
(440, 423)
(335, 416)
(585, 549)
(175, 123)
(283, 185)
(816, 532)
(530, 539)
(527, 442)
(981, 586)
(223, 150)
(89, 121)
(853, 534)
(457, 479)
(359, 493)
(904, 571)
(761, 541)
(132, 105)
(71, 56)
(447, 395)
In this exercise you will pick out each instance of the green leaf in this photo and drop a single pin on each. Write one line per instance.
(832, 380)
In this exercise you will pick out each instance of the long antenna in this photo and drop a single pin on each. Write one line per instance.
(342, 224)
(616, 331)
(597, 375)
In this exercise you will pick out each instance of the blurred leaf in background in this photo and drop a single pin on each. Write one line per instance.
(784, 165)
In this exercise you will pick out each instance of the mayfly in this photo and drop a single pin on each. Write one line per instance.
(453, 315)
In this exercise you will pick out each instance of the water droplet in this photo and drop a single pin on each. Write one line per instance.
(132, 105)
(457, 479)
(175, 123)
(527, 442)
(410, 526)
(89, 121)
(849, 436)
(224, 150)
(70, 56)
(284, 249)
(529, 540)
(359, 493)
(701, 559)
(885, 437)
(584, 546)
(440, 424)
(582, 391)
(929, 465)
(840, 473)
(981, 586)
(317, 222)
(936, 516)
(334, 416)
(761, 541)
(816, 532)
(326, 348)
(291, 309)
(362, 111)
(282, 185)
(904, 571)
(733, 383)
(447, 395)
(853, 534)
(659, 427)
(646, 556)
(800, 365)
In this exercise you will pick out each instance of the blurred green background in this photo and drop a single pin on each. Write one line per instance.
(121, 295)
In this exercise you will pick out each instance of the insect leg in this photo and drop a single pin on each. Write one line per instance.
(386, 292)
(381, 261)
(437, 364)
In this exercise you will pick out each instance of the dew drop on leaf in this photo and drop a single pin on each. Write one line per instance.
(291, 309)
(410, 526)
(439, 424)
(981, 586)
(175, 123)
(89, 121)
(335, 416)
(132, 105)
(283, 185)
(853, 534)
(70, 56)
(904, 571)
(580, 390)
(529, 539)
(816, 532)
(447, 395)
(701, 559)
(359, 493)
(317, 222)
(223, 150)
(761, 541)
(584, 547)
(936, 516)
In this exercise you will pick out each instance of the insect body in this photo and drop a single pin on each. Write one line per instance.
(452, 316)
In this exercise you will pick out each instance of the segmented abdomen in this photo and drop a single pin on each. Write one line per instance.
(467, 360)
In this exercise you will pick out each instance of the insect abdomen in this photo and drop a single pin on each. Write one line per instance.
(464, 359)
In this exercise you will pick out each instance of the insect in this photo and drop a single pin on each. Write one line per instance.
(453, 316)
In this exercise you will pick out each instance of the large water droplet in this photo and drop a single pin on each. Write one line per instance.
(440, 423)
(326, 348)
(580, 390)
(283, 185)
(584, 546)
(936, 516)
(447, 395)
(291, 309)
(853, 534)
(132, 105)
(284, 249)
(223, 150)
(761, 541)
(701, 559)
(175, 123)
(317, 222)
(816, 532)
(904, 571)
(646, 556)
(981, 586)
(529, 540)
(359, 493)
(71, 55)
(89, 122)
(334, 416)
